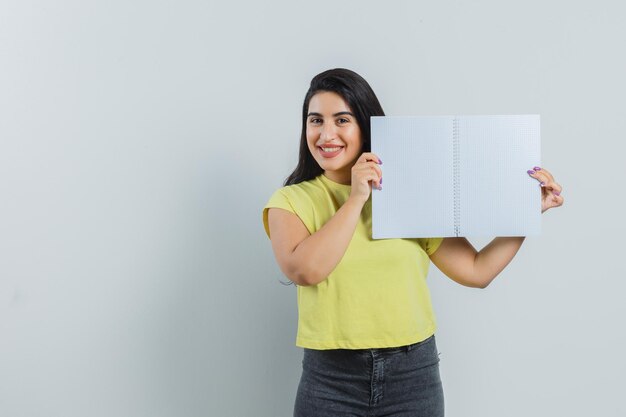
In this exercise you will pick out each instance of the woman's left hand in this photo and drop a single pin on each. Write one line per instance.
(550, 191)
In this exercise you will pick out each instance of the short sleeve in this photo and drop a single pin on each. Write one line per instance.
(431, 244)
(277, 200)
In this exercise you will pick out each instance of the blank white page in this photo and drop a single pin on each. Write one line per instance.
(495, 195)
(498, 197)
(417, 197)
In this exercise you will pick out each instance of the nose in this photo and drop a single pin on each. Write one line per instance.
(327, 132)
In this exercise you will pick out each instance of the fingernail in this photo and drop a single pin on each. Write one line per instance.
(380, 162)
(537, 169)
(556, 193)
(381, 180)
(542, 183)
(530, 172)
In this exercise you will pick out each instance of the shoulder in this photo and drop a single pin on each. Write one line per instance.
(299, 199)
(305, 190)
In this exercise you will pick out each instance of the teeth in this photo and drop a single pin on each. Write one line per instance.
(330, 149)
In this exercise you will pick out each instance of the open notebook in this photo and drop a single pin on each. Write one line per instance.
(449, 176)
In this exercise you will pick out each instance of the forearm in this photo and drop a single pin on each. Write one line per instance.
(494, 257)
(322, 251)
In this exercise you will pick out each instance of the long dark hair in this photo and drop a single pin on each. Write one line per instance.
(360, 98)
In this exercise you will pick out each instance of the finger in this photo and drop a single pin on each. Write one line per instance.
(369, 156)
(541, 176)
(366, 166)
(555, 188)
(378, 177)
(376, 181)
(556, 201)
(368, 171)
(544, 171)
(377, 170)
(373, 179)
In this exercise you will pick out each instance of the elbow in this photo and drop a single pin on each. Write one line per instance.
(311, 277)
(474, 282)
(480, 280)
(304, 276)
(483, 283)
(477, 284)
(300, 269)
(299, 278)
(306, 280)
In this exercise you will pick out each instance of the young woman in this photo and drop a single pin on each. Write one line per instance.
(365, 319)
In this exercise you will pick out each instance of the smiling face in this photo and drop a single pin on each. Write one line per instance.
(333, 135)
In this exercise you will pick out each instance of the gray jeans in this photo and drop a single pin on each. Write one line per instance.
(401, 381)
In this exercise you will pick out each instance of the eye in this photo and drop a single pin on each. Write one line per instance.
(314, 121)
(347, 120)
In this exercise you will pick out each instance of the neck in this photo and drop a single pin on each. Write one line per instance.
(344, 178)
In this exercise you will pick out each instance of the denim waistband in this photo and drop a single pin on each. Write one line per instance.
(404, 348)
(373, 351)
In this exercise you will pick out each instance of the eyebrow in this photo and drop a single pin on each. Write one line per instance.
(334, 115)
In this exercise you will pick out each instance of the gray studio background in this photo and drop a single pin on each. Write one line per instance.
(139, 141)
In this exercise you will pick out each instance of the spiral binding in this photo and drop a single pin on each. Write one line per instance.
(456, 164)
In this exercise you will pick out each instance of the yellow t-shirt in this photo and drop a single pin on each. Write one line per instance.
(377, 295)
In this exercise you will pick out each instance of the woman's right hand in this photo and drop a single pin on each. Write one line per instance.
(365, 173)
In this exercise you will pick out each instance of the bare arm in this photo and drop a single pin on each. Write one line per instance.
(458, 259)
(308, 259)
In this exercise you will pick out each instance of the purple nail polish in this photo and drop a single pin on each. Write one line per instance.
(530, 172)
(380, 161)
(542, 183)
(381, 180)
(537, 169)
(556, 193)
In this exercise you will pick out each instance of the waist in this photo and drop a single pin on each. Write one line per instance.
(376, 351)
(404, 348)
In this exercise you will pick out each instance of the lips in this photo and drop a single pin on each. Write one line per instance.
(330, 154)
